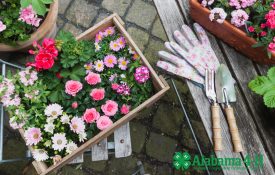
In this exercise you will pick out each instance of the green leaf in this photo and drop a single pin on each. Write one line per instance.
(54, 96)
(269, 98)
(271, 74)
(47, 1)
(75, 77)
(25, 3)
(65, 73)
(39, 7)
(260, 85)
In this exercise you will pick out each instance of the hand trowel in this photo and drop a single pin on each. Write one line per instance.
(225, 91)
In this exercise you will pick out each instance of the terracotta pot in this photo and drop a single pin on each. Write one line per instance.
(46, 29)
(230, 34)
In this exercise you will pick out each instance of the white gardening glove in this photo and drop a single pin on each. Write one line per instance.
(197, 52)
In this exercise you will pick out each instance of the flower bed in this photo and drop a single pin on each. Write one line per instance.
(77, 92)
(22, 22)
(245, 25)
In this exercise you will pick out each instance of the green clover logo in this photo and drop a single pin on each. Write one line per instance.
(181, 160)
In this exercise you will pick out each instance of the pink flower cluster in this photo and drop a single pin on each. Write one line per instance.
(142, 74)
(122, 89)
(271, 46)
(9, 98)
(29, 16)
(239, 17)
(28, 77)
(217, 14)
(241, 3)
(270, 19)
(118, 44)
(109, 31)
(2, 26)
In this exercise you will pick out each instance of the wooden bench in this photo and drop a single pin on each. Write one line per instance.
(255, 121)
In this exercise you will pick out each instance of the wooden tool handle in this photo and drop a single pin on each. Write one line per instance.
(233, 129)
(217, 131)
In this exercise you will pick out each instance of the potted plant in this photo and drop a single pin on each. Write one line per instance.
(23, 22)
(245, 25)
(78, 91)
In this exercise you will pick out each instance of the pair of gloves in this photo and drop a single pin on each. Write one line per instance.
(190, 55)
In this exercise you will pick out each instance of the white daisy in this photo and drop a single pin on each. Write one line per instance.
(82, 136)
(65, 119)
(49, 127)
(40, 155)
(59, 141)
(71, 146)
(97, 47)
(53, 110)
(99, 66)
(77, 125)
(50, 119)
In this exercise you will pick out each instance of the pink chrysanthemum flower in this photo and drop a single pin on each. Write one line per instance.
(109, 31)
(114, 45)
(77, 125)
(99, 37)
(33, 136)
(122, 63)
(29, 16)
(110, 61)
(99, 66)
(239, 17)
(142, 74)
(121, 42)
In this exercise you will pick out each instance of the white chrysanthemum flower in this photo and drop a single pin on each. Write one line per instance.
(82, 136)
(77, 125)
(71, 146)
(59, 141)
(40, 155)
(65, 119)
(97, 47)
(49, 127)
(50, 119)
(53, 110)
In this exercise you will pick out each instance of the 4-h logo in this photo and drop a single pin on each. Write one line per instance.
(181, 160)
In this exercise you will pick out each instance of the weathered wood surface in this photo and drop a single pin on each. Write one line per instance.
(252, 117)
(100, 151)
(122, 139)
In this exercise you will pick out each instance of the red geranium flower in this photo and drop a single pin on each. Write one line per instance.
(44, 61)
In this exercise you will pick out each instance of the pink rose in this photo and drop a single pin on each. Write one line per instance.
(110, 108)
(74, 105)
(125, 109)
(97, 94)
(115, 86)
(93, 78)
(103, 122)
(90, 115)
(72, 87)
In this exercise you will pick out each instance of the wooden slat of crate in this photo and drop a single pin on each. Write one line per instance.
(100, 150)
(122, 139)
(160, 85)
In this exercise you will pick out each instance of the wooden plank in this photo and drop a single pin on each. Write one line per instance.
(172, 20)
(244, 71)
(79, 159)
(122, 139)
(100, 151)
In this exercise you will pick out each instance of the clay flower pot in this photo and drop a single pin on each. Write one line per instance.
(230, 34)
(46, 30)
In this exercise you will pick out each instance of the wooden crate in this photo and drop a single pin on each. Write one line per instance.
(230, 34)
(160, 85)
